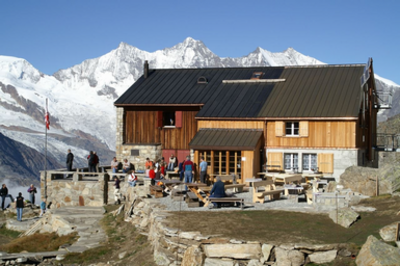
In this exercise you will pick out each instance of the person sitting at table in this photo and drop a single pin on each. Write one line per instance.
(217, 191)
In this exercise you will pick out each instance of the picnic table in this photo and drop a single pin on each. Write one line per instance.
(285, 178)
(194, 188)
(293, 190)
(224, 178)
(308, 176)
(172, 174)
(251, 181)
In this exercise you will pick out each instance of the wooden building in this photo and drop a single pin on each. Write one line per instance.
(295, 119)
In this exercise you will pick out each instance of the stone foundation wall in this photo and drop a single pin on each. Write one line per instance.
(145, 151)
(193, 248)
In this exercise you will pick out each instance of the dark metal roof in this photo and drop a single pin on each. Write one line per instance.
(309, 91)
(332, 91)
(226, 139)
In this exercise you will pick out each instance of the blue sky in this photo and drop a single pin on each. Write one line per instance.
(54, 35)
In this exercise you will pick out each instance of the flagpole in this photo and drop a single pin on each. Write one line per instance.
(45, 155)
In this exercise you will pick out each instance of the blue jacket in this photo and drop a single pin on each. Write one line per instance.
(218, 190)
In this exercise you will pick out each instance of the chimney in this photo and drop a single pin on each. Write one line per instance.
(146, 69)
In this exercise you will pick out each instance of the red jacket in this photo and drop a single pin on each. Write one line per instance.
(152, 174)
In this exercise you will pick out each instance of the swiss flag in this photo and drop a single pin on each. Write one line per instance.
(47, 120)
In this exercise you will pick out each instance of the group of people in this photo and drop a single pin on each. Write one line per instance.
(125, 166)
(19, 200)
(93, 162)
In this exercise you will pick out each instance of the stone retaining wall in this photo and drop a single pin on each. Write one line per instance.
(174, 247)
(66, 192)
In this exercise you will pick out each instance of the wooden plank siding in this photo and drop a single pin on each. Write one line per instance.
(321, 134)
(230, 124)
(140, 127)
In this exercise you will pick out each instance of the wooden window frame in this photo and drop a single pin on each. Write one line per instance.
(292, 128)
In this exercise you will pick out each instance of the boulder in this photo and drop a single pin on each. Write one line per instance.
(266, 250)
(235, 251)
(377, 253)
(286, 257)
(362, 179)
(189, 235)
(218, 262)
(192, 257)
(388, 233)
(346, 216)
(323, 257)
(363, 209)
(254, 263)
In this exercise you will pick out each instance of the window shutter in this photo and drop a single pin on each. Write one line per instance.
(159, 119)
(275, 158)
(279, 128)
(303, 128)
(178, 119)
(325, 163)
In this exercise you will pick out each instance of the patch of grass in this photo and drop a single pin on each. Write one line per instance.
(90, 255)
(38, 243)
(272, 226)
(8, 233)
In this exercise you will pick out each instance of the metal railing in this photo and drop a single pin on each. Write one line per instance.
(388, 142)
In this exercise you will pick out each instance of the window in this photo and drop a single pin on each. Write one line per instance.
(169, 119)
(256, 75)
(292, 128)
(291, 161)
(310, 162)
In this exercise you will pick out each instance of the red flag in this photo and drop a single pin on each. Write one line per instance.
(47, 118)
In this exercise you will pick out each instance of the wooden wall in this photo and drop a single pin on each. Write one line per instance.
(179, 138)
(321, 134)
(230, 124)
(140, 127)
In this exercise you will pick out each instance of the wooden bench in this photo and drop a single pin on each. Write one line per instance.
(226, 200)
(269, 190)
(172, 175)
(235, 187)
(157, 191)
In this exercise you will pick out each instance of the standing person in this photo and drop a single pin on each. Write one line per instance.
(117, 194)
(42, 208)
(32, 191)
(70, 159)
(171, 163)
(189, 170)
(20, 206)
(152, 175)
(203, 170)
(148, 163)
(92, 162)
(96, 162)
(4, 194)
(181, 172)
(114, 165)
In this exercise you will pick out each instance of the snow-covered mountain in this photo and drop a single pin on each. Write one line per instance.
(81, 97)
